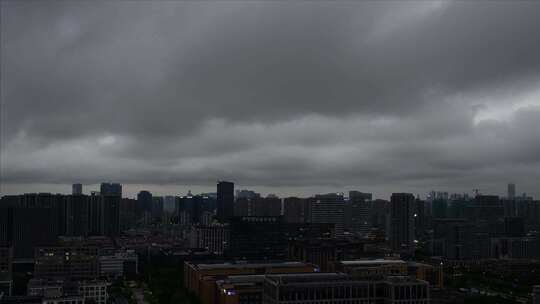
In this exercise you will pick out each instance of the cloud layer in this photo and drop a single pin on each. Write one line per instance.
(292, 97)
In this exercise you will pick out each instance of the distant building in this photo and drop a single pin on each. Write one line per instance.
(77, 189)
(144, 200)
(511, 191)
(169, 204)
(76, 215)
(329, 208)
(225, 201)
(248, 194)
(358, 196)
(111, 189)
(128, 214)
(296, 210)
(402, 222)
(157, 207)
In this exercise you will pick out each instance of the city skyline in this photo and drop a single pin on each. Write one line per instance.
(280, 97)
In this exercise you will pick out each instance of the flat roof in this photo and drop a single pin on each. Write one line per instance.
(371, 262)
(248, 265)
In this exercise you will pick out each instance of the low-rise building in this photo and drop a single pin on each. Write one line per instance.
(337, 288)
(200, 278)
(66, 262)
(119, 264)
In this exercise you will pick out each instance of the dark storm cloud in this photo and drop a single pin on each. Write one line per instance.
(388, 95)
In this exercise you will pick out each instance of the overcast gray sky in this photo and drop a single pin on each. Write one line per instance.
(283, 97)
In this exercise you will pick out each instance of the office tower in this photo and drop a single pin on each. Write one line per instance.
(76, 189)
(111, 189)
(225, 201)
(511, 191)
(329, 208)
(144, 200)
(257, 237)
(295, 210)
(402, 207)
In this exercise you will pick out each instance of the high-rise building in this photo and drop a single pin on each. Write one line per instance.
(329, 208)
(128, 213)
(225, 201)
(111, 189)
(511, 191)
(24, 228)
(77, 215)
(76, 189)
(295, 210)
(144, 200)
(169, 204)
(357, 212)
(104, 214)
(358, 196)
(402, 222)
(157, 207)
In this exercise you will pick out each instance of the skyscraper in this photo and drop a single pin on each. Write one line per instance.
(402, 222)
(225, 201)
(144, 200)
(511, 191)
(76, 189)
